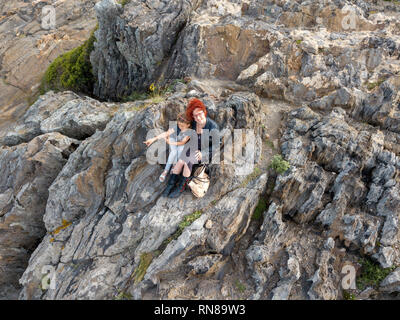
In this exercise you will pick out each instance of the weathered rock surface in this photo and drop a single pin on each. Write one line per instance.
(27, 48)
(219, 42)
(314, 56)
(132, 42)
(361, 201)
(331, 54)
(27, 171)
(66, 113)
(110, 234)
(343, 188)
(108, 197)
(146, 47)
(392, 282)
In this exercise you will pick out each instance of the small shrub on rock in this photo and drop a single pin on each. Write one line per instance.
(71, 71)
(278, 164)
(371, 274)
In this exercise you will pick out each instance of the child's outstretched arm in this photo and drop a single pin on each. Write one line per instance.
(163, 135)
(178, 143)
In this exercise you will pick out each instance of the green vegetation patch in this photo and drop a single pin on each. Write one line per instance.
(123, 2)
(156, 93)
(122, 295)
(373, 85)
(255, 174)
(135, 95)
(348, 296)
(72, 70)
(371, 274)
(240, 286)
(278, 164)
(270, 144)
(145, 260)
(187, 221)
(260, 208)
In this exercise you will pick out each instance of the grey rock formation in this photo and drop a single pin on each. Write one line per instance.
(289, 276)
(325, 280)
(133, 41)
(330, 191)
(360, 163)
(323, 56)
(28, 47)
(392, 282)
(146, 42)
(105, 216)
(104, 228)
(312, 58)
(27, 171)
(66, 113)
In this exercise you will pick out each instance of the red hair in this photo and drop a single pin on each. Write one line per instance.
(192, 105)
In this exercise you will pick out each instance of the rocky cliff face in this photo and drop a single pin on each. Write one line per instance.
(133, 41)
(78, 191)
(27, 171)
(109, 187)
(27, 48)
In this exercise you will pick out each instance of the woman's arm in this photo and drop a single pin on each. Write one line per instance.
(208, 153)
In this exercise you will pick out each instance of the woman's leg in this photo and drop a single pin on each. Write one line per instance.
(180, 187)
(177, 169)
(186, 171)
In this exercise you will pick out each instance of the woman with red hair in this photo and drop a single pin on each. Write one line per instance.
(195, 104)
(197, 113)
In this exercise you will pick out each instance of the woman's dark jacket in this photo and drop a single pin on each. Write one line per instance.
(208, 152)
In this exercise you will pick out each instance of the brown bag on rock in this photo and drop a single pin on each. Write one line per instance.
(200, 182)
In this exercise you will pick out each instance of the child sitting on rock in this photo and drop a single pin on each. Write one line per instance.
(176, 142)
